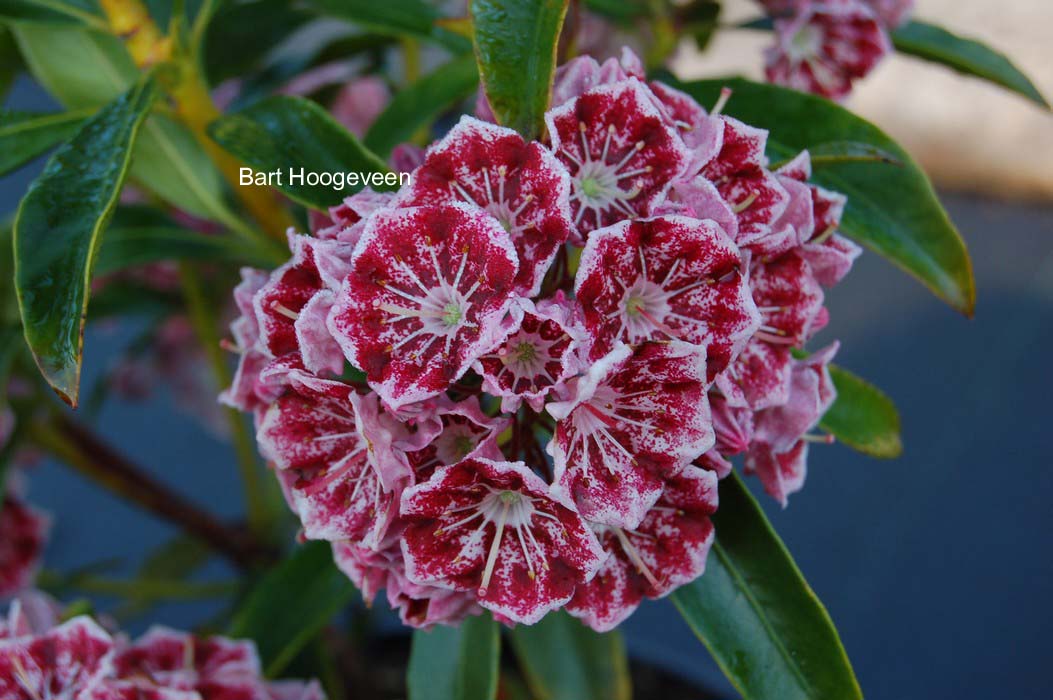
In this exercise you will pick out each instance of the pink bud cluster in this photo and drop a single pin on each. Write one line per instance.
(823, 46)
(513, 384)
(79, 660)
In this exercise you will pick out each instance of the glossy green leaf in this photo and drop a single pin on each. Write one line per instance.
(515, 44)
(757, 615)
(863, 417)
(836, 152)
(286, 134)
(291, 604)
(76, 12)
(26, 135)
(455, 663)
(563, 659)
(418, 105)
(58, 230)
(85, 69)
(414, 18)
(139, 245)
(966, 56)
(892, 209)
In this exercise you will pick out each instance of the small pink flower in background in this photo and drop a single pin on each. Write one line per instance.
(637, 416)
(416, 310)
(666, 550)
(494, 528)
(621, 153)
(825, 46)
(893, 13)
(23, 536)
(520, 184)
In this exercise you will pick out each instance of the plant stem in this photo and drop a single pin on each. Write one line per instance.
(204, 322)
(84, 451)
(138, 588)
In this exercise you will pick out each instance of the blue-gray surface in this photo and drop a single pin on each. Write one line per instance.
(935, 567)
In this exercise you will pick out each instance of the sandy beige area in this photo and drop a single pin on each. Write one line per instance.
(968, 134)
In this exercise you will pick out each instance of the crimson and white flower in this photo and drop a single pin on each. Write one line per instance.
(536, 358)
(427, 294)
(335, 451)
(790, 301)
(671, 277)
(452, 432)
(520, 184)
(621, 152)
(495, 528)
(347, 220)
(639, 415)
(778, 451)
(292, 306)
(825, 46)
(665, 551)
(64, 663)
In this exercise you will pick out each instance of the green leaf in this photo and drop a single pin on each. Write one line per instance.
(76, 12)
(138, 245)
(10, 61)
(564, 660)
(624, 12)
(240, 34)
(291, 604)
(862, 417)
(418, 105)
(284, 134)
(455, 663)
(757, 615)
(892, 209)
(26, 135)
(84, 69)
(515, 44)
(414, 18)
(58, 229)
(836, 152)
(966, 56)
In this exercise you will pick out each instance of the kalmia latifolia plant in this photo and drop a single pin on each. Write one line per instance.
(507, 344)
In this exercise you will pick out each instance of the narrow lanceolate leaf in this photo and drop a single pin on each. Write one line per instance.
(892, 209)
(413, 18)
(129, 246)
(26, 135)
(455, 663)
(757, 615)
(421, 103)
(291, 604)
(58, 230)
(83, 12)
(287, 135)
(862, 417)
(85, 69)
(515, 43)
(966, 56)
(564, 660)
(849, 152)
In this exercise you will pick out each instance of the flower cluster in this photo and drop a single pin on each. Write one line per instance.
(513, 384)
(79, 660)
(822, 46)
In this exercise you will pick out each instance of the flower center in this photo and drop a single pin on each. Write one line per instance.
(596, 182)
(451, 314)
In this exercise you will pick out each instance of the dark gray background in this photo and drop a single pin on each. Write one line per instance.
(935, 567)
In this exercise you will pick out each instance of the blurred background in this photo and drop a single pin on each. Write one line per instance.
(936, 567)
